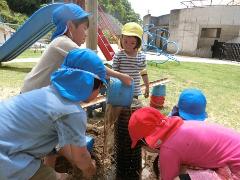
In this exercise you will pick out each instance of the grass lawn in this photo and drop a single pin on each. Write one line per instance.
(220, 83)
(31, 53)
(12, 74)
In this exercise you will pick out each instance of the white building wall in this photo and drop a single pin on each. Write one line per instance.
(185, 27)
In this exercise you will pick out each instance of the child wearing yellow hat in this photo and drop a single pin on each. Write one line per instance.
(129, 60)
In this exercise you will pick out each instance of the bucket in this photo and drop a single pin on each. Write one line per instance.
(119, 94)
(159, 90)
(157, 101)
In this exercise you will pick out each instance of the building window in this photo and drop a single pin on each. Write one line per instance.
(210, 32)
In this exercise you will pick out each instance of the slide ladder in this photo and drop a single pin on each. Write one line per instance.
(105, 46)
(38, 25)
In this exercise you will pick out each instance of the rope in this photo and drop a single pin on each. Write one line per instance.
(161, 35)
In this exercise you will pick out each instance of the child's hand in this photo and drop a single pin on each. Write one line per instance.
(146, 93)
(126, 79)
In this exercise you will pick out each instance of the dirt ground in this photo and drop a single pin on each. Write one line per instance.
(95, 128)
(106, 170)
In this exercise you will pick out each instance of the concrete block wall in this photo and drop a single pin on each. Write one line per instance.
(146, 20)
(163, 21)
(185, 27)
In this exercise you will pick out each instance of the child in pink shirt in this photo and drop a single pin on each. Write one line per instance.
(190, 143)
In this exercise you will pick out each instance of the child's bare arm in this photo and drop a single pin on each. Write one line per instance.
(146, 82)
(126, 79)
(81, 158)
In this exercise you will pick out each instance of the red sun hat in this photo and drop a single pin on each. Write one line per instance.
(154, 127)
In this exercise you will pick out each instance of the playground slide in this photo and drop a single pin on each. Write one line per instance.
(38, 25)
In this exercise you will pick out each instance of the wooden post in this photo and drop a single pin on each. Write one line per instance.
(92, 7)
(79, 2)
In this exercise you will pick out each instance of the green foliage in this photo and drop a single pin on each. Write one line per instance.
(120, 9)
(111, 39)
(26, 6)
(9, 16)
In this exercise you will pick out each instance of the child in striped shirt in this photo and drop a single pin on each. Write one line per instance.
(129, 60)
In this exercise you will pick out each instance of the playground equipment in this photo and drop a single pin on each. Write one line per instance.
(162, 36)
(104, 23)
(38, 25)
(103, 43)
(105, 46)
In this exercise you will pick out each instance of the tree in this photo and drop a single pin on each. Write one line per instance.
(27, 7)
(23, 6)
(121, 10)
(9, 16)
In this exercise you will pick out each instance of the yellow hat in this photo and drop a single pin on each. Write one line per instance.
(132, 29)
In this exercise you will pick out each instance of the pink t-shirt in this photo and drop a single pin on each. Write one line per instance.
(202, 145)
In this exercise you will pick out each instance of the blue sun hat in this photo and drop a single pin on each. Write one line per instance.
(192, 105)
(65, 13)
(75, 79)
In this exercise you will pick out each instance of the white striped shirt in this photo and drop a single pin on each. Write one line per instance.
(131, 66)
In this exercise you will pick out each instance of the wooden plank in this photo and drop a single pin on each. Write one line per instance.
(155, 83)
(97, 100)
(102, 98)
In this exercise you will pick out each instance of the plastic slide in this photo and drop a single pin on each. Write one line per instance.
(38, 25)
